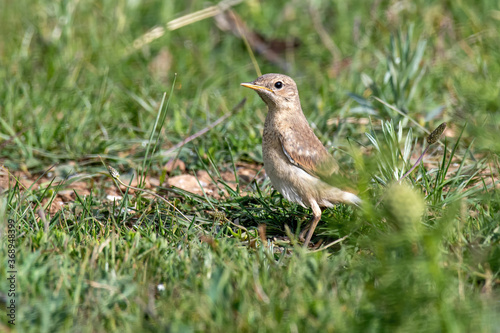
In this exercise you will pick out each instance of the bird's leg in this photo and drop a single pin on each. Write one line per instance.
(314, 222)
(307, 227)
(303, 232)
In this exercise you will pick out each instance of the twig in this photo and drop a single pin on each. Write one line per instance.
(201, 14)
(206, 129)
(331, 244)
(180, 22)
(230, 21)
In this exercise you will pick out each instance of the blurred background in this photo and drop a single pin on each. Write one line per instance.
(129, 80)
(81, 78)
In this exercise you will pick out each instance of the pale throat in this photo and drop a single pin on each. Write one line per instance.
(284, 117)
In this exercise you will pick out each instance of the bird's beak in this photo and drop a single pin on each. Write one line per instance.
(255, 87)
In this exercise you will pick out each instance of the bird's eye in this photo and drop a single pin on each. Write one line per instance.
(278, 85)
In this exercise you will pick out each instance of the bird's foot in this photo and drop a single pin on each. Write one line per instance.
(303, 232)
(302, 235)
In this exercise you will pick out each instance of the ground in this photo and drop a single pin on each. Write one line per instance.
(187, 233)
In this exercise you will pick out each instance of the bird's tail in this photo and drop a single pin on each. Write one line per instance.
(350, 198)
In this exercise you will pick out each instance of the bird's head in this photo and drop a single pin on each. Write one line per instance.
(276, 90)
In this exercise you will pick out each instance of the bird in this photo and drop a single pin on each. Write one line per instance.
(295, 160)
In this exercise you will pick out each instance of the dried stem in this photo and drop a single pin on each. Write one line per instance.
(206, 129)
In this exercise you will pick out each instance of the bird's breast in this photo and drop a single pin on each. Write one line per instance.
(285, 177)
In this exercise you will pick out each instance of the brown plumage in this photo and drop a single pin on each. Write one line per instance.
(297, 163)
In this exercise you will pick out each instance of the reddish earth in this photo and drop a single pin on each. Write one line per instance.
(82, 185)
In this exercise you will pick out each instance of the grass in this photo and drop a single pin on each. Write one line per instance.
(422, 256)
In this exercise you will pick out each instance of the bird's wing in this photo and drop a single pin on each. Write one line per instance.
(304, 150)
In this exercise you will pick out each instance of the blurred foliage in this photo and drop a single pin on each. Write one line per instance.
(420, 256)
